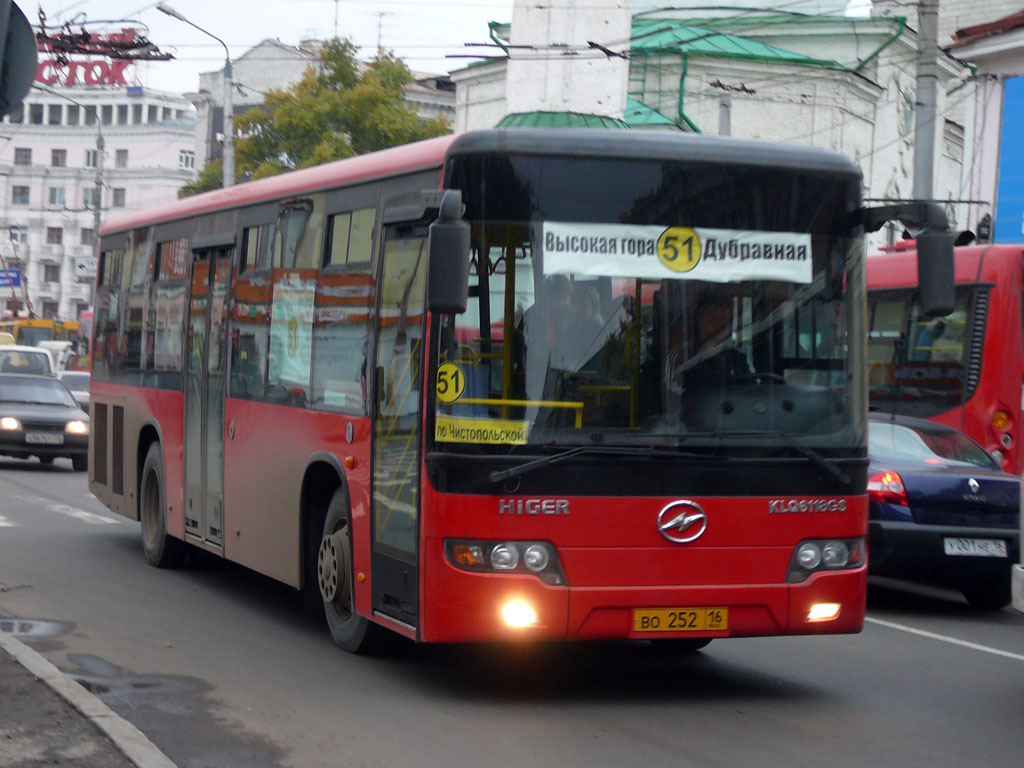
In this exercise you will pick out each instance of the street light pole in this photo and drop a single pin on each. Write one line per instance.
(228, 162)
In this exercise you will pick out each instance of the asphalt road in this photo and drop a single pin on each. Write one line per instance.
(220, 667)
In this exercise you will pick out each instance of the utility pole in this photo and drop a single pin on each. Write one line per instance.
(926, 87)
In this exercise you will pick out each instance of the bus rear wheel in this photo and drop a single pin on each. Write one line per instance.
(335, 576)
(161, 550)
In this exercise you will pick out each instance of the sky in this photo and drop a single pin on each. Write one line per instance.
(422, 32)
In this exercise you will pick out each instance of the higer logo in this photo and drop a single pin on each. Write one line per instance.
(682, 521)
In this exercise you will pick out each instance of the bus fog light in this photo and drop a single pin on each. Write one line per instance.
(518, 614)
(824, 611)
(536, 557)
(504, 557)
(808, 555)
(9, 423)
(835, 554)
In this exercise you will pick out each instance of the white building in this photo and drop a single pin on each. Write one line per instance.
(48, 164)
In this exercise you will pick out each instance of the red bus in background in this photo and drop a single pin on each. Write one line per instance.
(965, 369)
(491, 428)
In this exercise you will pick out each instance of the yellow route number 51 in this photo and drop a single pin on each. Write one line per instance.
(679, 249)
(451, 383)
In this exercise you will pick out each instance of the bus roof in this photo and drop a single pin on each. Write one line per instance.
(431, 153)
(972, 263)
(409, 157)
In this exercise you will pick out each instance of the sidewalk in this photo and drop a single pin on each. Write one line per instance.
(46, 718)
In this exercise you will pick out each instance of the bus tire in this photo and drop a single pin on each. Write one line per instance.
(680, 645)
(161, 550)
(335, 577)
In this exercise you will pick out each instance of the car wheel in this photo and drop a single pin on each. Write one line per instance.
(79, 463)
(680, 645)
(46, 460)
(988, 594)
(334, 573)
(161, 550)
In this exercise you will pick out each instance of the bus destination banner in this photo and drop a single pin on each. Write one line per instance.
(688, 253)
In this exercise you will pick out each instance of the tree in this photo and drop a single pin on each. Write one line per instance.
(211, 177)
(343, 109)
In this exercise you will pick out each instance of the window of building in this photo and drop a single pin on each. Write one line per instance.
(51, 273)
(122, 114)
(54, 113)
(86, 236)
(72, 114)
(19, 195)
(89, 197)
(17, 114)
(121, 158)
(168, 113)
(152, 114)
(50, 310)
(107, 114)
(56, 195)
(118, 197)
(19, 234)
(136, 113)
(35, 114)
(59, 158)
(54, 235)
(186, 159)
(22, 156)
(90, 116)
(91, 158)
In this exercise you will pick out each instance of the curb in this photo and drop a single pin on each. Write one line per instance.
(132, 743)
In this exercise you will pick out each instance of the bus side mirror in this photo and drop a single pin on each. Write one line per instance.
(448, 270)
(936, 295)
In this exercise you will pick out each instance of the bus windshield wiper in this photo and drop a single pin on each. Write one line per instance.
(827, 466)
(544, 461)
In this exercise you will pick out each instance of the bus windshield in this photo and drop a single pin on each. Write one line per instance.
(652, 303)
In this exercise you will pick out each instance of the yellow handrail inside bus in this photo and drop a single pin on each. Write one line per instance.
(569, 405)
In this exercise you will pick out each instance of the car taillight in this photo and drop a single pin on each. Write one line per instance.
(887, 487)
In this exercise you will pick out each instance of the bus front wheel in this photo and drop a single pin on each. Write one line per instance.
(335, 573)
(161, 550)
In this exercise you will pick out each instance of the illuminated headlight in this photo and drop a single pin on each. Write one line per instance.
(537, 558)
(9, 423)
(77, 428)
(825, 555)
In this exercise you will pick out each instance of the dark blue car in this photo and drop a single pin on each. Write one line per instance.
(941, 509)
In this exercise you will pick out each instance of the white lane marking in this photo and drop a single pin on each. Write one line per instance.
(81, 514)
(946, 639)
(5, 522)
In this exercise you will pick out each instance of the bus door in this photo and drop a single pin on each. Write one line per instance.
(204, 395)
(396, 437)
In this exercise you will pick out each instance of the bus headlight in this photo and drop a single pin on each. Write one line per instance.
(537, 558)
(825, 555)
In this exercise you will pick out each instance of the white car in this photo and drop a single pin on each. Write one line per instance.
(78, 383)
(16, 358)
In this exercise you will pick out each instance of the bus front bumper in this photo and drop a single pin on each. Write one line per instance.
(476, 607)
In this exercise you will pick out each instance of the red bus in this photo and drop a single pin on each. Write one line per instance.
(514, 424)
(965, 369)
